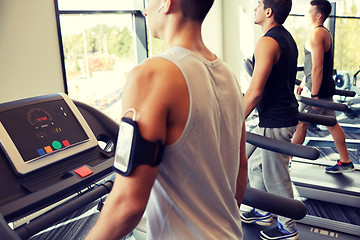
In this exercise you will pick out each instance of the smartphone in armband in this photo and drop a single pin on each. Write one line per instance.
(133, 150)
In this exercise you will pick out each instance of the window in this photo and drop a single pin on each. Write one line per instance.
(347, 45)
(100, 43)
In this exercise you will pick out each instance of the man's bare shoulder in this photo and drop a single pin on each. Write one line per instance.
(267, 47)
(153, 81)
(266, 43)
(319, 34)
(154, 70)
(157, 90)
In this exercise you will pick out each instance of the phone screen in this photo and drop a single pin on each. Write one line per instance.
(123, 148)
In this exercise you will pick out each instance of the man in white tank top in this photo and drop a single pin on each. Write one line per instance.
(189, 99)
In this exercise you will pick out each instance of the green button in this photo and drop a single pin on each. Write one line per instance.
(56, 144)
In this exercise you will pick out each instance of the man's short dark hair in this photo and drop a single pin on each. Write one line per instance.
(323, 7)
(280, 8)
(195, 10)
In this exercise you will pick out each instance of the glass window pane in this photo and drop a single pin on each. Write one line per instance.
(96, 5)
(349, 8)
(347, 45)
(98, 51)
(298, 28)
(300, 7)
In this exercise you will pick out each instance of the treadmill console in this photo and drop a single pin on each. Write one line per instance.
(38, 132)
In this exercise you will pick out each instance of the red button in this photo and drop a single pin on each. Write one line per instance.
(83, 171)
(66, 143)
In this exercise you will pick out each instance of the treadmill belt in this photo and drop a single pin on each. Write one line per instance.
(331, 154)
(74, 226)
(333, 211)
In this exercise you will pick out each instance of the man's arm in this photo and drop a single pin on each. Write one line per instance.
(317, 54)
(267, 53)
(125, 204)
(243, 172)
(149, 92)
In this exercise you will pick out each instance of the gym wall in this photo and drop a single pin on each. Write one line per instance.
(30, 62)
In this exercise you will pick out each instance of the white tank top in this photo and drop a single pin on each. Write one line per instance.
(193, 195)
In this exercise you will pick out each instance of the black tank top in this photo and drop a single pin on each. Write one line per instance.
(278, 106)
(327, 88)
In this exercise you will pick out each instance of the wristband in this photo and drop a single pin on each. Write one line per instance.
(316, 95)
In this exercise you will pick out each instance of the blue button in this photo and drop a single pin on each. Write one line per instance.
(41, 151)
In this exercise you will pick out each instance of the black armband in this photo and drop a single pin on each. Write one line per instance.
(316, 95)
(133, 150)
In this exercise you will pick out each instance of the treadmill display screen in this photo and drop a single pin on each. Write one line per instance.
(42, 129)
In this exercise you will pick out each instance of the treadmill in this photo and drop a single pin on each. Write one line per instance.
(54, 155)
(310, 176)
(333, 191)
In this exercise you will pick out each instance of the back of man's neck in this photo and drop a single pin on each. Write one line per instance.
(266, 28)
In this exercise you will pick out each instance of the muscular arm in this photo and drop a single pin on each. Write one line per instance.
(150, 92)
(125, 204)
(267, 53)
(243, 173)
(316, 42)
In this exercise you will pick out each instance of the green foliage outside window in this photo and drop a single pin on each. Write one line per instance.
(104, 44)
(347, 42)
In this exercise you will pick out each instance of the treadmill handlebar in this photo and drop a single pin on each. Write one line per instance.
(345, 93)
(282, 147)
(323, 104)
(282, 206)
(317, 119)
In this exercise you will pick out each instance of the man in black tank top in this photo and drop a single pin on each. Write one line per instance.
(318, 68)
(271, 91)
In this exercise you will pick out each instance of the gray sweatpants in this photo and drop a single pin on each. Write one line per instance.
(269, 171)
